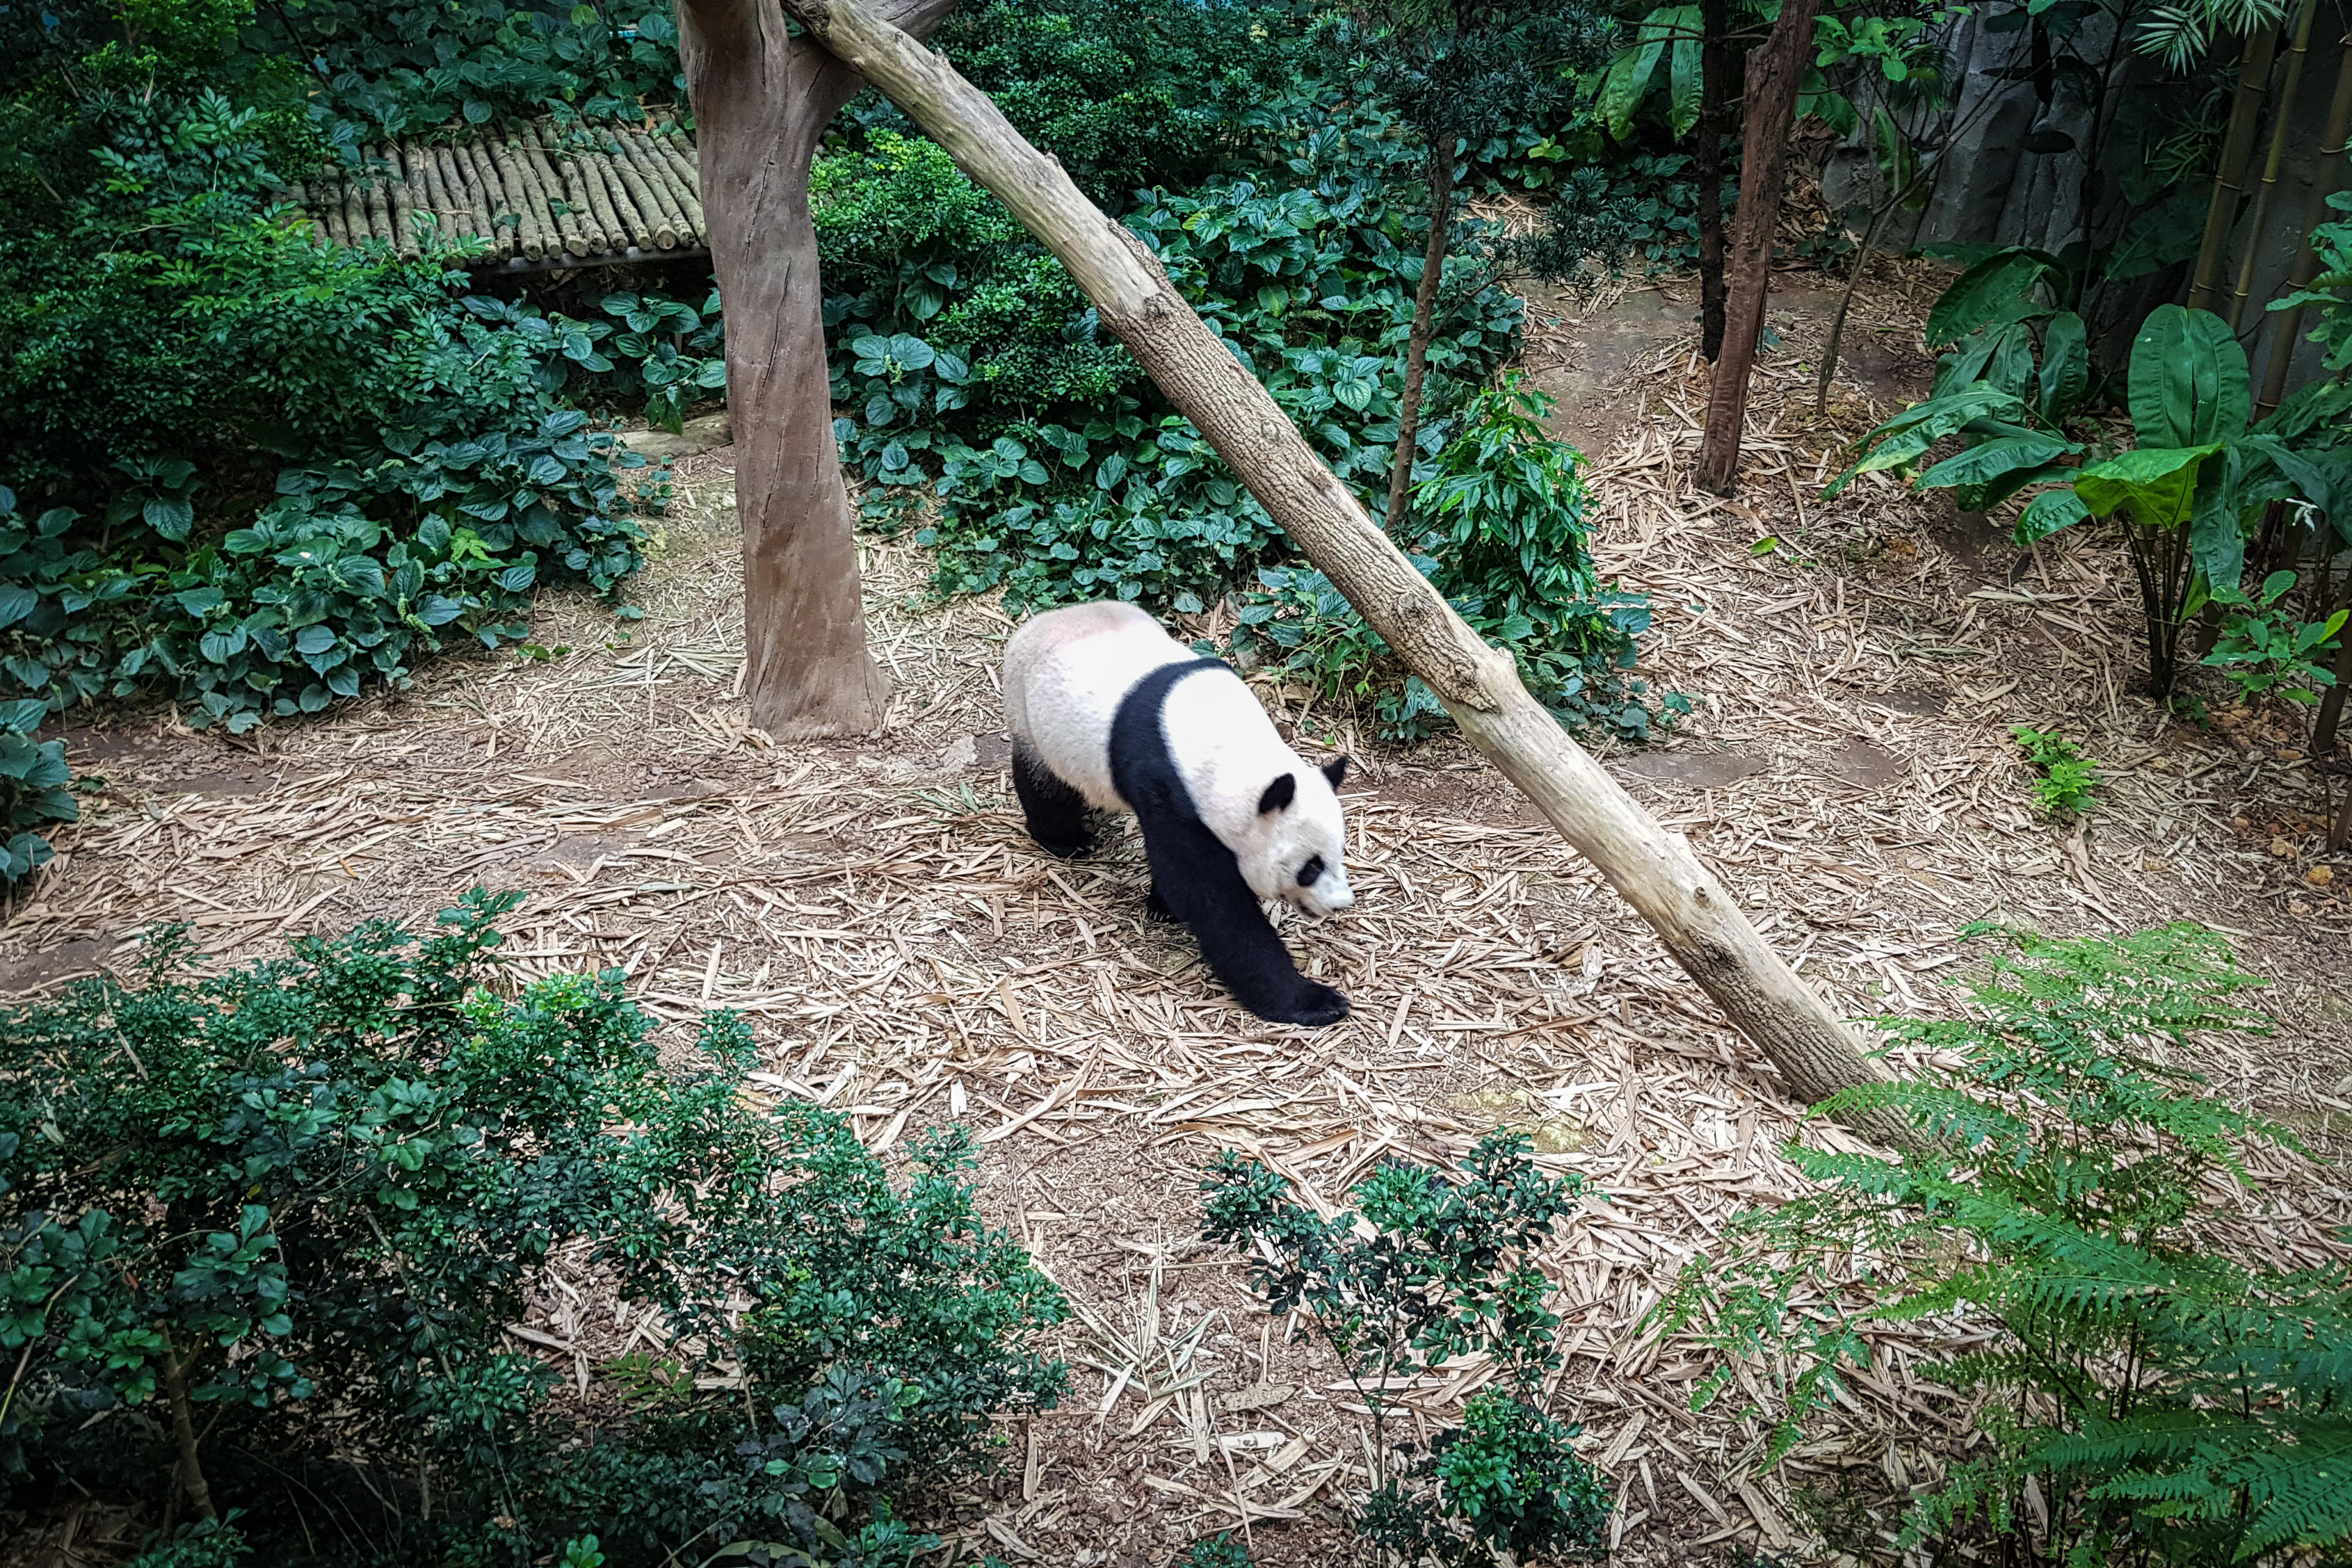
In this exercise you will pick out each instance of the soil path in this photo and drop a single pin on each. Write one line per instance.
(906, 955)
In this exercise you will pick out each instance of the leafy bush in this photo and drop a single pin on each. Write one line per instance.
(2264, 650)
(1505, 542)
(2148, 1394)
(1126, 93)
(290, 1208)
(1432, 1266)
(2068, 777)
(270, 471)
(35, 787)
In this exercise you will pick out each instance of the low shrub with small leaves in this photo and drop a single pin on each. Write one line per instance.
(2149, 1391)
(260, 1235)
(1503, 537)
(1434, 1264)
(2069, 779)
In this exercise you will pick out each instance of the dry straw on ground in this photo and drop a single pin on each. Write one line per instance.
(907, 956)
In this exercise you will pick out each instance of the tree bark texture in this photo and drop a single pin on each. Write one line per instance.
(1653, 868)
(762, 101)
(1706, 167)
(1774, 73)
(1424, 323)
(184, 1432)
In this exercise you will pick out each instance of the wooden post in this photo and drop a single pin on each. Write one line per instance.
(1654, 869)
(1774, 73)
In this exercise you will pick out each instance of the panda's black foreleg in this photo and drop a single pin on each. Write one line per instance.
(1057, 813)
(1195, 879)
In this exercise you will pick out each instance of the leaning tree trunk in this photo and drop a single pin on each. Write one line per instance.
(1655, 870)
(1774, 73)
(1706, 166)
(762, 101)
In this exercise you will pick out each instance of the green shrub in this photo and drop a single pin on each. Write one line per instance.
(1433, 1265)
(2149, 1395)
(1504, 540)
(2068, 777)
(287, 1211)
(35, 785)
(267, 471)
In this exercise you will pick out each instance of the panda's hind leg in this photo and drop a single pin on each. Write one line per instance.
(1057, 813)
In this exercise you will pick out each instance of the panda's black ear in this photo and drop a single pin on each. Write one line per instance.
(1278, 794)
(1335, 770)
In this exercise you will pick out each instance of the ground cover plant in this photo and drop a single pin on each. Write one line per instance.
(2150, 1393)
(259, 1278)
(1433, 1265)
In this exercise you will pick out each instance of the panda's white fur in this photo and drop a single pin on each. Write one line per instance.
(1065, 673)
(1105, 710)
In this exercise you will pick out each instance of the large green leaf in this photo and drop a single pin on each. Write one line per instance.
(1985, 289)
(1984, 497)
(2217, 522)
(1629, 72)
(2164, 235)
(2049, 512)
(2188, 382)
(1902, 440)
(1683, 75)
(2158, 484)
(2065, 365)
(1994, 460)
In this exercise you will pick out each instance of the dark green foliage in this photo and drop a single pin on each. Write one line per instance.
(1222, 1551)
(298, 1201)
(1447, 1269)
(36, 786)
(262, 472)
(1130, 94)
(2164, 1398)
(1503, 536)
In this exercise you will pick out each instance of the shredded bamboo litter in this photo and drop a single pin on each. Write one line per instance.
(582, 194)
(907, 958)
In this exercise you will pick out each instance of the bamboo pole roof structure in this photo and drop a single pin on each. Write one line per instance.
(543, 195)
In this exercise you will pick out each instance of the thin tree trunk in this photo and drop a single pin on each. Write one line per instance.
(184, 1429)
(1706, 167)
(2306, 259)
(1424, 323)
(762, 101)
(1774, 74)
(2229, 175)
(1699, 922)
(2280, 118)
(2331, 706)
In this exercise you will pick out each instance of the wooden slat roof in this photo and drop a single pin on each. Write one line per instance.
(543, 195)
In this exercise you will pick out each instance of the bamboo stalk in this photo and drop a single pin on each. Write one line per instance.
(377, 205)
(1698, 920)
(633, 221)
(2325, 180)
(582, 234)
(652, 229)
(458, 213)
(403, 202)
(2229, 175)
(355, 222)
(2281, 119)
(535, 215)
(669, 217)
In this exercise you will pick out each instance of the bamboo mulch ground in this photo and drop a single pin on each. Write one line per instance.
(907, 956)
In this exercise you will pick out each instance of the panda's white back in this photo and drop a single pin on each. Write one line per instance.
(1064, 673)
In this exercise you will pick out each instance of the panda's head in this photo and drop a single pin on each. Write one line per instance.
(1294, 849)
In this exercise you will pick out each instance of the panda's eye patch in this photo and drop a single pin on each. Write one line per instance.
(1312, 870)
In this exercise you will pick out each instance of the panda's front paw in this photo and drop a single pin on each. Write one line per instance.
(1156, 907)
(1312, 1004)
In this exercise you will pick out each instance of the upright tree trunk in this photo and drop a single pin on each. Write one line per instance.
(1424, 323)
(1774, 74)
(762, 101)
(1706, 167)
(1698, 919)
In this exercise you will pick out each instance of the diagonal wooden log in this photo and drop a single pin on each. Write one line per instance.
(1654, 869)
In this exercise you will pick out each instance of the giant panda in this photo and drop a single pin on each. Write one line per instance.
(1108, 710)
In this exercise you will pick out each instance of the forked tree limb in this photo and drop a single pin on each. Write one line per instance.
(1653, 868)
